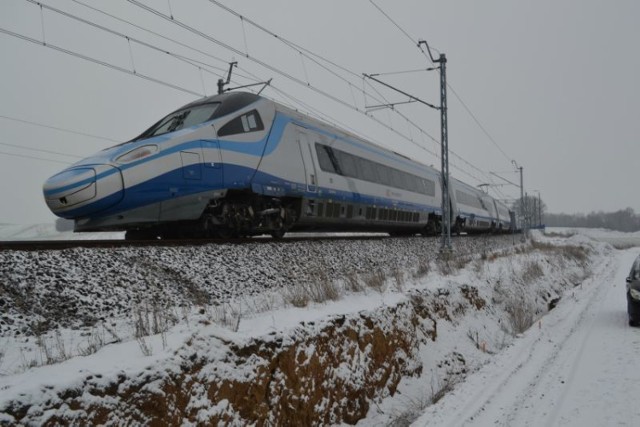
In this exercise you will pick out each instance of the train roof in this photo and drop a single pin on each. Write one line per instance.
(233, 101)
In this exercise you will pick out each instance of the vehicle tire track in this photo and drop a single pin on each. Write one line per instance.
(530, 357)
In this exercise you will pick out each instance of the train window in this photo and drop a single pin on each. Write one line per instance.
(342, 163)
(368, 171)
(348, 164)
(429, 186)
(182, 119)
(468, 199)
(383, 174)
(323, 158)
(396, 178)
(248, 122)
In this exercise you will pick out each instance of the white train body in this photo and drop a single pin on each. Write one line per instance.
(240, 164)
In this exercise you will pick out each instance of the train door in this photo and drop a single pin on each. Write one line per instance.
(306, 152)
(191, 169)
(212, 160)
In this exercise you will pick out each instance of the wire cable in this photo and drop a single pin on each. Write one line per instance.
(40, 150)
(302, 51)
(473, 116)
(24, 156)
(99, 62)
(60, 129)
(479, 124)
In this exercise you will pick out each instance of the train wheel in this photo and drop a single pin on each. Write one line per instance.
(278, 234)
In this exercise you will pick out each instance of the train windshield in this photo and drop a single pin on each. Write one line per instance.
(182, 119)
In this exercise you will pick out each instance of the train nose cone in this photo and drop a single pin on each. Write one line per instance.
(83, 190)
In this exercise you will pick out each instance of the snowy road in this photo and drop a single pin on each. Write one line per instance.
(580, 366)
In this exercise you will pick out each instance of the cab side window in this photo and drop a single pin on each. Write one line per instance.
(248, 122)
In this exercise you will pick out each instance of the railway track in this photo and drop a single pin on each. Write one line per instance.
(48, 245)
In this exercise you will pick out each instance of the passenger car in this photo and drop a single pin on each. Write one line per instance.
(633, 294)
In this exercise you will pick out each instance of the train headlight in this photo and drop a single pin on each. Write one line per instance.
(635, 294)
(138, 153)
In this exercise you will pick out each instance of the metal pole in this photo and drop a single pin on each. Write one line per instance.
(445, 244)
(539, 211)
(522, 212)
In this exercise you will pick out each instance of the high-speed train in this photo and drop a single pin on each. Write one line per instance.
(238, 164)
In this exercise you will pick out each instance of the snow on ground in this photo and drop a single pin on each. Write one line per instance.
(617, 239)
(239, 288)
(577, 367)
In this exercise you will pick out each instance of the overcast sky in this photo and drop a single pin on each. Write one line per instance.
(553, 83)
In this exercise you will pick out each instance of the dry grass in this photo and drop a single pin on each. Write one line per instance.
(532, 271)
(353, 283)
(320, 289)
(556, 234)
(424, 266)
(398, 276)
(376, 280)
(521, 314)
(296, 296)
(227, 315)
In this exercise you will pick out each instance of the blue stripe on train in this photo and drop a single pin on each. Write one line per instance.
(173, 184)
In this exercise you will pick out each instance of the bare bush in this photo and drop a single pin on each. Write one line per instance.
(445, 266)
(145, 348)
(474, 336)
(410, 409)
(556, 234)
(440, 388)
(296, 296)
(95, 342)
(423, 268)
(398, 276)
(521, 314)
(352, 282)
(576, 253)
(151, 319)
(228, 315)
(376, 280)
(319, 289)
(532, 271)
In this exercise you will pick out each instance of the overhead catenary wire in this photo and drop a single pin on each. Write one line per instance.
(15, 119)
(22, 147)
(479, 124)
(400, 28)
(128, 38)
(156, 34)
(458, 97)
(304, 52)
(191, 61)
(260, 62)
(301, 49)
(99, 62)
(25, 156)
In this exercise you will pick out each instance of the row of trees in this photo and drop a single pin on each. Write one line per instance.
(622, 220)
(534, 211)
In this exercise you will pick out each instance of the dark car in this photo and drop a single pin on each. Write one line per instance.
(633, 294)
